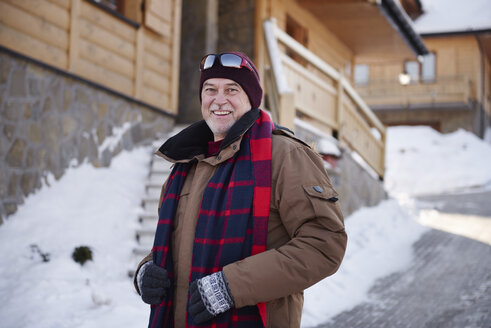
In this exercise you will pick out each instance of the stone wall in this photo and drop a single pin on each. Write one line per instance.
(50, 120)
(355, 185)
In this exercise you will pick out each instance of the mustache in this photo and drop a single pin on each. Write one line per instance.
(227, 107)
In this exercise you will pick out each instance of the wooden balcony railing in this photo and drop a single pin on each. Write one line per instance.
(141, 61)
(444, 90)
(319, 93)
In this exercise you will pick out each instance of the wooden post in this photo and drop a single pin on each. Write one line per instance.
(339, 107)
(287, 110)
(259, 42)
(74, 34)
(176, 45)
(139, 65)
(382, 160)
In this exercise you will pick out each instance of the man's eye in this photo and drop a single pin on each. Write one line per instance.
(232, 90)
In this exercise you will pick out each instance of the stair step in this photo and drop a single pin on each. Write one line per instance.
(145, 236)
(161, 165)
(145, 231)
(153, 191)
(150, 205)
(142, 251)
(148, 220)
(157, 179)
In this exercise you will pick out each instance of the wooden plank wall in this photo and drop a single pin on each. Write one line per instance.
(36, 28)
(79, 37)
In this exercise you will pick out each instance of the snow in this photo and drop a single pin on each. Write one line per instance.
(453, 16)
(422, 161)
(98, 207)
(87, 206)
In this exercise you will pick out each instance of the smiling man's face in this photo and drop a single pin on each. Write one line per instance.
(223, 102)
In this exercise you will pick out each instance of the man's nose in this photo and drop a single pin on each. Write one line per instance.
(220, 98)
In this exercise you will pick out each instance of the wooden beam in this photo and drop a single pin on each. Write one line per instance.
(339, 106)
(156, 81)
(106, 59)
(106, 40)
(45, 10)
(30, 46)
(156, 98)
(103, 76)
(176, 50)
(33, 26)
(139, 62)
(74, 33)
(158, 64)
(160, 47)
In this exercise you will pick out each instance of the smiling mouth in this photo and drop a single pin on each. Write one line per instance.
(221, 112)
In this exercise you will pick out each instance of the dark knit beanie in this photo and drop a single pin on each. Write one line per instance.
(248, 80)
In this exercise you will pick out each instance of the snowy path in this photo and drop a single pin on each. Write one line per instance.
(449, 281)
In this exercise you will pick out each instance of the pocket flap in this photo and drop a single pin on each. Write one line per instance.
(321, 191)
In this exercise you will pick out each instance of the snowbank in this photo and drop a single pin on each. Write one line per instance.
(420, 161)
(88, 206)
(379, 243)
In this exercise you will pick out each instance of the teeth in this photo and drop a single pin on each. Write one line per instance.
(221, 112)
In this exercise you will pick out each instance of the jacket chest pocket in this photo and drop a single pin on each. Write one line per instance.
(323, 200)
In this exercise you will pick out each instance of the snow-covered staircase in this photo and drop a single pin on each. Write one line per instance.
(144, 234)
(147, 220)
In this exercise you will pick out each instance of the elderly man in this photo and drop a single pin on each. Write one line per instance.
(248, 218)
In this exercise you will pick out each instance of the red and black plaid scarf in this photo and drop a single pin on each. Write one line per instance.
(232, 223)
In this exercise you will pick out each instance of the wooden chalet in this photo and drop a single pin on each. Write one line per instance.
(306, 51)
(448, 88)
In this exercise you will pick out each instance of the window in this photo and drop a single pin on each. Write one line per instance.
(411, 68)
(361, 74)
(428, 68)
(130, 9)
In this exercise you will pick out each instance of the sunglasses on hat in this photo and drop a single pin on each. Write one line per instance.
(225, 60)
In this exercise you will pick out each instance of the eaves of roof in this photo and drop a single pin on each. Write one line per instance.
(401, 23)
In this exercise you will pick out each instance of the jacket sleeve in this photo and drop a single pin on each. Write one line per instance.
(304, 200)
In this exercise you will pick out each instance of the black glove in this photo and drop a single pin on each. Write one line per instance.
(210, 296)
(153, 283)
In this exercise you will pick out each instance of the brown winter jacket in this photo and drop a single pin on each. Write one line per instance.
(306, 237)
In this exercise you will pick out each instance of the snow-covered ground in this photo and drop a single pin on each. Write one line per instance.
(99, 208)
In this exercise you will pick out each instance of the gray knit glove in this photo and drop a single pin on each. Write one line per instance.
(153, 283)
(210, 296)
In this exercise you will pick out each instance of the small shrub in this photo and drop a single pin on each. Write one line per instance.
(36, 250)
(82, 254)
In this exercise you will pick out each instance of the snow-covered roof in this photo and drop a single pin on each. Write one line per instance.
(445, 16)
